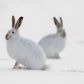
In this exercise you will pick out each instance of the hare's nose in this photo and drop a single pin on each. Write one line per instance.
(6, 37)
(64, 34)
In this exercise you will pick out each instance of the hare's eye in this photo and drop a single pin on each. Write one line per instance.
(12, 32)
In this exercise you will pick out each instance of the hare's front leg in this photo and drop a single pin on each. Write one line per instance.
(16, 65)
(57, 56)
(20, 67)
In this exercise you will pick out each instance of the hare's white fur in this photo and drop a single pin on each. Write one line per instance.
(25, 51)
(54, 43)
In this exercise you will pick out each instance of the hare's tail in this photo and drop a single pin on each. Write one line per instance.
(47, 67)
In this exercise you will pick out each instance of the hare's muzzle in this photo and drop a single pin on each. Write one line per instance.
(7, 37)
(63, 34)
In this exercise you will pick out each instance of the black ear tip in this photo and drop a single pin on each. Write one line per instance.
(21, 17)
(12, 15)
(60, 17)
(53, 17)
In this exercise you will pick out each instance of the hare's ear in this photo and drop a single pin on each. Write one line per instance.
(18, 23)
(13, 21)
(61, 22)
(56, 22)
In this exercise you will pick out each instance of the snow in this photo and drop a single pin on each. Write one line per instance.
(40, 77)
(63, 73)
(37, 23)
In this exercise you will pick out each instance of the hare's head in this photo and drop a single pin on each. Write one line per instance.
(59, 25)
(13, 33)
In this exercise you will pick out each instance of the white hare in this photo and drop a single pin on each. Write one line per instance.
(54, 43)
(24, 51)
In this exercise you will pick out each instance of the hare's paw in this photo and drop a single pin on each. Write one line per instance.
(57, 56)
(20, 67)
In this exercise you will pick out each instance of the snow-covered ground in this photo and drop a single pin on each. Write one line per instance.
(38, 22)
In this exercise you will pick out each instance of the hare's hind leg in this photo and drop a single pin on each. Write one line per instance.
(16, 65)
(20, 67)
(57, 56)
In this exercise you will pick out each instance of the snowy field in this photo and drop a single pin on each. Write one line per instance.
(37, 23)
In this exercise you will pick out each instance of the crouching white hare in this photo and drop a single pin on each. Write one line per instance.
(54, 43)
(24, 51)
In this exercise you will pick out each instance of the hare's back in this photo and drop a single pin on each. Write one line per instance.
(48, 41)
(32, 47)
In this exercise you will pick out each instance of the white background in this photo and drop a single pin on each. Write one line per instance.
(38, 19)
(37, 23)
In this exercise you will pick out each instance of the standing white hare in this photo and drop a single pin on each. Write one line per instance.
(54, 43)
(24, 51)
